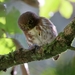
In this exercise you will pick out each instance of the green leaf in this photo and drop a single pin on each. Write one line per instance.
(11, 21)
(2, 20)
(72, 0)
(1, 29)
(50, 6)
(6, 46)
(1, 33)
(49, 71)
(1, 0)
(2, 10)
(4, 0)
(66, 9)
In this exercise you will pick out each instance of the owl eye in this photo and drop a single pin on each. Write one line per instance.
(30, 22)
(39, 33)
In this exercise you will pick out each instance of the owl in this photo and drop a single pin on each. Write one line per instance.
(38, 30)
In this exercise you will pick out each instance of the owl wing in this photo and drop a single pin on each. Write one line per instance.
(48, 23)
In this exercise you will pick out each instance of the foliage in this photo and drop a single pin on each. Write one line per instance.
(63, 6)
(4, 0)
(8, 24)
(6, 46)
(11, 21)
(61, 69)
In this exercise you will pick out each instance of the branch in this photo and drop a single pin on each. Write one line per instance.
(60, 44)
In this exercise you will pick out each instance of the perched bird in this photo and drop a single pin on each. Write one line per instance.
(38, 30)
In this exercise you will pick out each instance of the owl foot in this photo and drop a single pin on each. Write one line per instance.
(35, 48)
(56, 57)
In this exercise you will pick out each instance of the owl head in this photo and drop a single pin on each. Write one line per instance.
(28, 21)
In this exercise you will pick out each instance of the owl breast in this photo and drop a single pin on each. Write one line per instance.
(42, 34)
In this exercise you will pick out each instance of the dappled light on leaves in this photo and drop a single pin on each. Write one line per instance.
(63, 6)
(72, 0)
(2, 20)
(4, 0)
(8, 24)
(1, 0)
(66, 9)
(11, 21)
(6, 45)
(49, 6)
(50, 71)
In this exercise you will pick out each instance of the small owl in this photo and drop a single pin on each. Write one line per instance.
(38, 30)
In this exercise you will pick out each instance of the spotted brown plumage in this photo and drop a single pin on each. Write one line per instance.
(38, 30)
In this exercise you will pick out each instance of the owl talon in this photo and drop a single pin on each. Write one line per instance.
(56, 57)
(35, 48)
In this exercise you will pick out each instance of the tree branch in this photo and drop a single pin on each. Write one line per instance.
(60, 44)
